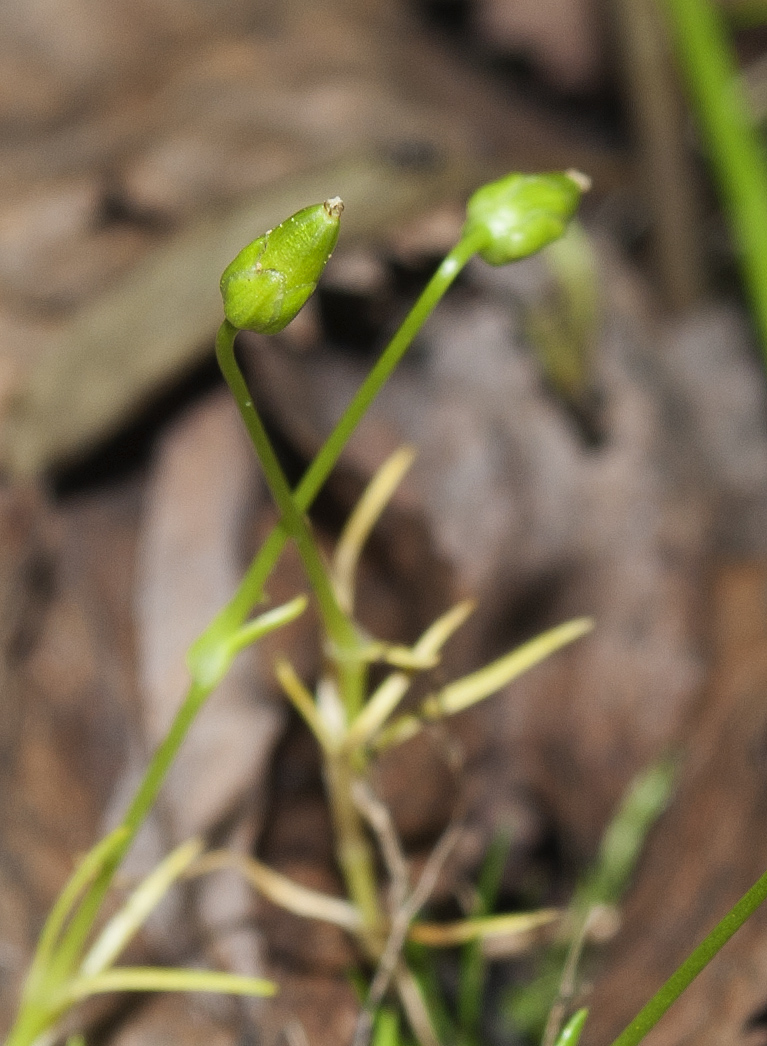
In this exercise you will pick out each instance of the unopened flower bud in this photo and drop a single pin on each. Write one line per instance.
(271, 279)
(521, 213)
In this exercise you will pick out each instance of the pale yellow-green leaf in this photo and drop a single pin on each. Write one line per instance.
(366, 514)
(388, 695)
(283, 891)
(124, 925)
(84, 874)
(162, 979)
(447, 935)
(470, 689)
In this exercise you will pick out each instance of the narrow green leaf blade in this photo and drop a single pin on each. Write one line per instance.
(571, 1033)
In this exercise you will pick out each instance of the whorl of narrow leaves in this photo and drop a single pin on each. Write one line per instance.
(521, 213)
(271, 279)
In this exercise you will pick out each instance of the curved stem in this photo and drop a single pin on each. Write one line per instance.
(338, 626)
(250, 591)
(82, 921)
(336, 622)
(331, 450)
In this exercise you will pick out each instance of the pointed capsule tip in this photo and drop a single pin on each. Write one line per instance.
(334, 206)
(583, 181)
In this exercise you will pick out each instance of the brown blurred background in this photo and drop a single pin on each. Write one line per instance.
(142, 143)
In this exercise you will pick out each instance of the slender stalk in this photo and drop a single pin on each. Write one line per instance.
(31, 1023)
(339, 627)
(650, 1014)
(251, 589)
(354, 852)
(211, 655)
(144, 799)
(337, 624)
(250, 592)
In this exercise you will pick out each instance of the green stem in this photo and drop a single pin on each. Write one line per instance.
(250, 591)
(31, 1023)
(736, 151)
(354, 852)
(336, 622)
(143, 801)
(339, 628)
(355, 855)
(650, 1014)
(35, 1018)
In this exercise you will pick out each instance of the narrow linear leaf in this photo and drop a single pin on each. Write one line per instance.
(161, 979)
(457, 696)
(281, 890)
(447, 935)
(396, 733)
(398, 657)
(438, 633)
(708, 63)
(366, 514)
(267, 622)
(123, 926)
(470, 995)
(389, 694)
(421, 964)
(491, 874)
(386, 1028)
(302, 700)
(695, 962)
(83, 875)
(468, 691)
(623, 840)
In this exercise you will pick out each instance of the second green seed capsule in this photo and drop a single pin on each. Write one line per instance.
(271, 279)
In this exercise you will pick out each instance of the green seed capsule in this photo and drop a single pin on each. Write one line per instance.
(521, 213)
(271, 279)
